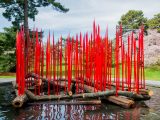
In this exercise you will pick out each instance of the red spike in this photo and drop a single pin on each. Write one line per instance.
(111, 66)
(76, 63)
(60, 58)
(87, 76)
(123, 58)
(65, 67)
(129, 89)
(69, 64)
(135, 66)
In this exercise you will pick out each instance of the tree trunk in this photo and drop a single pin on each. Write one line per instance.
(26, 16)
(26, 31)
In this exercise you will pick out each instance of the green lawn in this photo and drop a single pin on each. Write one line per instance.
(7, 76)
(150, 73)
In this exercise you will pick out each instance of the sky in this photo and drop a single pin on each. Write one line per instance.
(82, 13)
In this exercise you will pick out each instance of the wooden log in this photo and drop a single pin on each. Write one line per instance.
(61, 83)
(33, 97)
(90, 89)
(103, 94)
(146, 92)
(73, 80)
(91, 102)
(121, 101)
(128, 94)
(19, 101)
(134, 95)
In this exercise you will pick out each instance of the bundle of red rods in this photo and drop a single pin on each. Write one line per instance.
(88, 59)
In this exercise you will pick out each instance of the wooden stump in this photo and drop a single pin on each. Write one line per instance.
(19, 101)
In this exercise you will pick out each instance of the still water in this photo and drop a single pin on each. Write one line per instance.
(148, 110)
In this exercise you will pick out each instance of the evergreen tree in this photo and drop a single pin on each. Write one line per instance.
(18, 11)
(154, 23)
(133, 19)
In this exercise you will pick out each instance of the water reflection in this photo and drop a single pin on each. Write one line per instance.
(62, 112)
(78, 112)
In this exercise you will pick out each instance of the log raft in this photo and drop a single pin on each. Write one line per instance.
(109, 95)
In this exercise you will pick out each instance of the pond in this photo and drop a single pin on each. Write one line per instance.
(148, 110)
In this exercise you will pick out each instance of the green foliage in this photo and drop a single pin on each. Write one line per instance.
(10, 38)
(8, 62)
(2, 42)
(133, 19)
(7, 39)
(14, 9)
(154, 23)
(7, 48)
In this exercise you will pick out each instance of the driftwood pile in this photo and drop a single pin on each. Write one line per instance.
(124, 99)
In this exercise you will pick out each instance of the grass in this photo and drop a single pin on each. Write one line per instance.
(151, 73)
(7, 76)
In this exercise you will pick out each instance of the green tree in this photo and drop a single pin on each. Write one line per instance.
(18, 11)
(7, 49)
(154, 23)
(2, 43)
(7, 40)
(133, 19)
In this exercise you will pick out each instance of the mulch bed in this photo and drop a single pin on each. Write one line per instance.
(7, 74)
